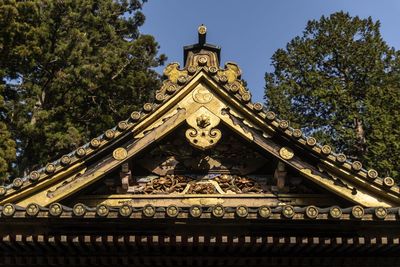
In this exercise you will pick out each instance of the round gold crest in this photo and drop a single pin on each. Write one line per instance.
(242, 211)
(388, 181)
(122, 125)
(3, 190)
(95, 143)
(55, 209)
(212, 70)
(160, 97)
(147, 107)
(356, 165)
(202, 29)
(297, 133)
(264, 211)
(326, 149)
(246, 97)
(8, 209)
(381, 212)
(195, 211)
(109, 134)
(32, 209)
(172, 211)
(218, 211)
(79, 209)
(135, 116)
(34, 176)
(258, 107)
(341, 158)
(80, 152)
(202, 95)
(312, 212)
(202, 60)
(223, 79)
(192, 69)
(372, 174)
(234, 88)
(288, 211)
(270, 115)
(18, 182)
(149, 210)
(357, 212)
(311, 141)
(102, 210)
(182, 79)
(120, 153)
(286, 153)
(50, 168)
(125, 210)
(335, 212)
(65, 160)
(284, 124)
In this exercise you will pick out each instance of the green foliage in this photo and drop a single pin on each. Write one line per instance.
(71, 69)
(7, 144)
(340, 81)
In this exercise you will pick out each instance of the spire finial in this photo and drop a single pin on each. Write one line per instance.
(201, 46)
(202, 30)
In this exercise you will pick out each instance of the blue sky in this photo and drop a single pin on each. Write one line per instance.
(250, 31)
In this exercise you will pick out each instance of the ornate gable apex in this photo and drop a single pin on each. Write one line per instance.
(202, 95)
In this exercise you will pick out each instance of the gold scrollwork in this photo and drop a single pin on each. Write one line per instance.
(173, 72)
(231, 72)
(202, 135)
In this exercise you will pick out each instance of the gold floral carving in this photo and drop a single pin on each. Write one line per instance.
(166, 184)
(202, 133)
(179, 184)
(286, 153)
(201, 95)
(120, 153)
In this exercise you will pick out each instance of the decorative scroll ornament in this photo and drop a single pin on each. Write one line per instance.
(202, 135)
(231, 73)
(173, 73)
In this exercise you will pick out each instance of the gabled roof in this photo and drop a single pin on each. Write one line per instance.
(202, 87)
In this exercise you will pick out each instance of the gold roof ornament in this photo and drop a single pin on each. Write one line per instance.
(202, 30)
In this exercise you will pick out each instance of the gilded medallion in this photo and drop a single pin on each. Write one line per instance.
(120, 153)
(201, 95)
(286, 153)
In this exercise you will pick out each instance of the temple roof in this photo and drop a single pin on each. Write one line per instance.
(199, 93)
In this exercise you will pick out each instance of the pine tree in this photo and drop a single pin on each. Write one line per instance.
(71, 69)
(7, 144)
(338, 81)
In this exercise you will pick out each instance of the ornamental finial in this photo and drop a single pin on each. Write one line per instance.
(202, 30)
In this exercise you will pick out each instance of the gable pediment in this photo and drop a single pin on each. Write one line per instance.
(205, 106)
